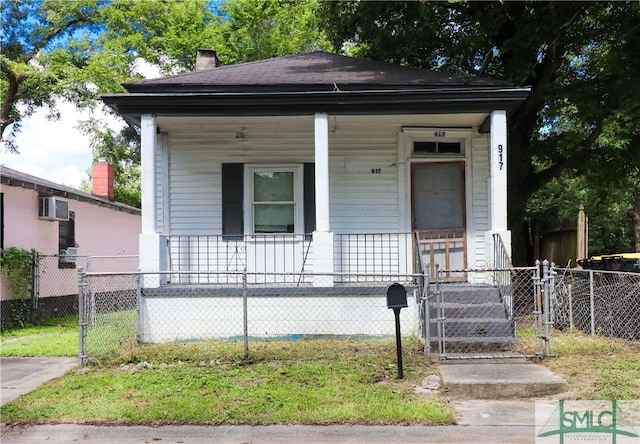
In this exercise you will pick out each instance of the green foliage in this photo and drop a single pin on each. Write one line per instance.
(16, 267)
(580, 60)
(607, 206)
(250, 30)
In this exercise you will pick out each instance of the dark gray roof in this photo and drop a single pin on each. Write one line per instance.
(314, 82)
(10, 177)
(314, 70)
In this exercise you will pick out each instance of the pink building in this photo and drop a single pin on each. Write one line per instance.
(58, 220)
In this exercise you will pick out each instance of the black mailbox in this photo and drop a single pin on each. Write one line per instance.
(396, 296)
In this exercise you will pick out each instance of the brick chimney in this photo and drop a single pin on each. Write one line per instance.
(102, 179)
(207, 59)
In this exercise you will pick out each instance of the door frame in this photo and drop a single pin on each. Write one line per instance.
(452, 235)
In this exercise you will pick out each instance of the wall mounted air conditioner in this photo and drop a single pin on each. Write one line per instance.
(52, 208)
(70, 255)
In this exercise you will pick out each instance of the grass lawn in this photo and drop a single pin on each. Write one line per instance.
(593, 366)
(285, 382)
(58, 337)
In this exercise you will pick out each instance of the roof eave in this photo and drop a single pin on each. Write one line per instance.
(409, 101)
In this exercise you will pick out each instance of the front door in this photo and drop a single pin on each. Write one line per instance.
(438, 216)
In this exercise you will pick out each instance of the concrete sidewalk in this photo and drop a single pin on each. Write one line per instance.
(478, 422)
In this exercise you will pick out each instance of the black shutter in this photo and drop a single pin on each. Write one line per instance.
(309, 198)
(232, 199)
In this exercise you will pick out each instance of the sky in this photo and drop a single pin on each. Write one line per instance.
(54, 150)
(57, 150)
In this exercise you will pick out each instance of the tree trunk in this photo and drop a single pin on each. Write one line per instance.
(636, 214)
(520, 188)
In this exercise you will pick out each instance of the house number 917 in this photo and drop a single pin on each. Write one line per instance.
(500, 156)
(376, 170)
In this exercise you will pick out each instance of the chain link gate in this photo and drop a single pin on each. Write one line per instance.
(482, 320)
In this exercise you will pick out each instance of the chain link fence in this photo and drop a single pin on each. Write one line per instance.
(599, 302)
(54, 286)
(120, 310)
(509, 311)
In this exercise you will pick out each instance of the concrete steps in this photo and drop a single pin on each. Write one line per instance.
(472, 379)
(475, 320)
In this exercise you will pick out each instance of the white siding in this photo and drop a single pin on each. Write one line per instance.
(361, 200)
(197, 152)
(479, 217)
(364, 178)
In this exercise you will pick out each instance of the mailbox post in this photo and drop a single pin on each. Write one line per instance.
(397, 300)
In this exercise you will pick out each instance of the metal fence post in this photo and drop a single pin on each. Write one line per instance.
(440, 320)
(537, 310)
(139, 334)
(591, 303)
(550, 314)
(546, 304)
(35, 285)
(245, 320)
(426, 312)
(82, 321)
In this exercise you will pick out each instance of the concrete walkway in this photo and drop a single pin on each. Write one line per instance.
(499, 380)
(22, 375)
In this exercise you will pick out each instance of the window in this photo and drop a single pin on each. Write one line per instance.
(274, 199)
(66, 240)
(431, 142)
(279, 199)
(437, 147)
(274, 206)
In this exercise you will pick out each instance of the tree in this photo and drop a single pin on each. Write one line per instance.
(75, 50)
(580, 60)
(252, 30)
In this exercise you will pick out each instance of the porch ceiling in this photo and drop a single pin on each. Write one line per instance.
(232, 125)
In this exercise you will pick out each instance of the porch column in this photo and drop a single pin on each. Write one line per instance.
(322, 236)
(150, 246)
(498, 185)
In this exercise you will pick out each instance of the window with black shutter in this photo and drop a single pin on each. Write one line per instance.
(268, 213)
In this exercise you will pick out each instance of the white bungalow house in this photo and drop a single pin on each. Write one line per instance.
(317, 165)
